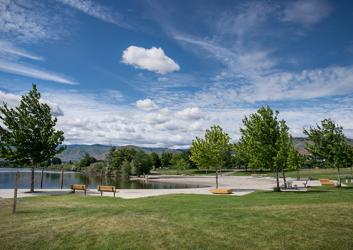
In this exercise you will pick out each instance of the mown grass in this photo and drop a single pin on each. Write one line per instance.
(315, 173)
(319, 219)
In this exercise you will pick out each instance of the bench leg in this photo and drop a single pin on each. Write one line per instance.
(114, 194)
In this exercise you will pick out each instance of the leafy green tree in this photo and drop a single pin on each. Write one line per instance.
(126, 168)
(349, 152)
(328, 144)
(179, 162)
(117, 156)
(142, 163)
(86, 161)
(55, 161)
(210, 152)
(27, 133)
(156, 160)
(166, 157)
(259, 141)
(284, 145)
(295, 161)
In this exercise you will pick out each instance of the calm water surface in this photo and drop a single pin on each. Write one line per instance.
(51, 179)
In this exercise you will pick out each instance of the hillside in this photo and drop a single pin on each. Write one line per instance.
(98, 151)
(77, 151)
(299, 143)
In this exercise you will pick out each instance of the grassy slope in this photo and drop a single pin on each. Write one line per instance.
(320, 219)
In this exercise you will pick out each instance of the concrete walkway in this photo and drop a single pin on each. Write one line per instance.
(241, 185)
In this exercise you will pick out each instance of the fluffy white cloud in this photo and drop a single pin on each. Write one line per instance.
(190, 113)
(146, 104)
(153, 59)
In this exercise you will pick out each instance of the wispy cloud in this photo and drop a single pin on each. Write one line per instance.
(97, 10)
(306, 12)
(29, 21)
(9, 49)
(30, 71)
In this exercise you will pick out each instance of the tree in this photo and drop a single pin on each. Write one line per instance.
(328, 144)
(156, 160)
(179, 162)
(284, 145)
(349, 153)
(259, 141)
(295, 161)
(27, 133)
(116, 157)
(210, 152)
(166, 157)
(125, 168)
(86, 161)
(55, 161)
(142, 163)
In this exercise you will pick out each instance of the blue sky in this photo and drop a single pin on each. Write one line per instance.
(158, 73)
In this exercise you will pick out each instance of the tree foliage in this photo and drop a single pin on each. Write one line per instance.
(157, 163)
(180, 162)
(166, 158)
(258, 143)
(327, 144)
(265, 142)
(295, 160)
(211, 151)
(27, 132)
(86, 161)
(139, 161)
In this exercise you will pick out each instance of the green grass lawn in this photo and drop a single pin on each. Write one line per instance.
(319, 219)
(327, 173)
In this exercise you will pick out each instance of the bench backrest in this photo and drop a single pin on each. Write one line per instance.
(326, 182)
(106, 188)
(78, 187)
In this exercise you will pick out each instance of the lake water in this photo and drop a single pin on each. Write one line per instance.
(52, 179)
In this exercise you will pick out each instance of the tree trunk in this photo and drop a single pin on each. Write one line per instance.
(351, 171)
(298, 175)
(277, 179)
(339, 177)
(32, 179)
(216, 177)
(41, 179)
(284, 178)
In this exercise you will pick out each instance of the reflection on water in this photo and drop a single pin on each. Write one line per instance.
(52, 179)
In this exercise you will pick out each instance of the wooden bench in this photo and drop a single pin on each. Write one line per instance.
(106, 189)
(326, 182)
(221, 191)
(75, 187)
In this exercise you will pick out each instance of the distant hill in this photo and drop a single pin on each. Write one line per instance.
(299, 144)
(76, 152)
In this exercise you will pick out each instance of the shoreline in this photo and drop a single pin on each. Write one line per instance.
(241, 185)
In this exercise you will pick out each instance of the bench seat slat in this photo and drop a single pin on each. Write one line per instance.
(221, 191)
